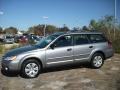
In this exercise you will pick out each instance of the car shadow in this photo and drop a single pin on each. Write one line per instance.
(66, 67)
(9, 74)
(50, 69)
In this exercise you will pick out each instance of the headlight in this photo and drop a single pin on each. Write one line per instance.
(12, 58)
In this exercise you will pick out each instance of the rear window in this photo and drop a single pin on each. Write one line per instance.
(96, 38)
(80, 39)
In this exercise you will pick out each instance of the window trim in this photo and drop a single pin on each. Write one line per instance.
(80, 44)
(88, 35)
(62, 36)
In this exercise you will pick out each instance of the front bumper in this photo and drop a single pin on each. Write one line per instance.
(9, 65)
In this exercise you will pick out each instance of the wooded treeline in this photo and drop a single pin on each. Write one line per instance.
(107, 24)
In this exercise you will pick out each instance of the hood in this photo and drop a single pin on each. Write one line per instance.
(21, 50)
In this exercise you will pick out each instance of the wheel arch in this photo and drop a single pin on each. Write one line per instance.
(35, 58)
(101, 52)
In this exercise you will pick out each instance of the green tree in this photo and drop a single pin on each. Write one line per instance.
(93, 24)
(106, 25)
(37, 30)
(109, 28)
(1, 30)
(51, 29)
(10, 30)
(64, 29)
(85, 28)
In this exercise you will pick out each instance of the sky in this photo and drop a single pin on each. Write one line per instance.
(74, 13)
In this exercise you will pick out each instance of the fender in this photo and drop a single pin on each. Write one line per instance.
(95, 51)
(26, 57)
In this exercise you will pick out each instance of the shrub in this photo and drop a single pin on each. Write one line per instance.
(116, 46)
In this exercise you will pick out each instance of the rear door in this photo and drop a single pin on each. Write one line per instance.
(82, 47)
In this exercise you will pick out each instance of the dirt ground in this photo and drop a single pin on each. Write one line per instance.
(76, 77)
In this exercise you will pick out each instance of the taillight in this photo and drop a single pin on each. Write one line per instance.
(109, 44)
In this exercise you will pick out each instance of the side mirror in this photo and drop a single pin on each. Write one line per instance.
(52, 46)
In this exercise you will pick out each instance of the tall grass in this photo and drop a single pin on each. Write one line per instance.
(2, 48)
(16, 46)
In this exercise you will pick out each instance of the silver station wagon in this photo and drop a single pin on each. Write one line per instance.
(59, 49)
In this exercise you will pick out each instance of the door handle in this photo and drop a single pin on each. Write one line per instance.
(90, 46)
(69, 49)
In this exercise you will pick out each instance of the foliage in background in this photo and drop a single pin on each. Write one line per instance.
(111, 29)
(10, 30)
(106, 25)
(39, 29)
(1, 30)
(1, 49)
(16, 46)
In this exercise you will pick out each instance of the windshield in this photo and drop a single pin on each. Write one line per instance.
(8, 37)
(45, 41)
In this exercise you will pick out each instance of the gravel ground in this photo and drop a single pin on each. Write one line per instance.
(76, 77)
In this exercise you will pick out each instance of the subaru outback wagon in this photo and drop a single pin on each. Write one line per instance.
(56, 50)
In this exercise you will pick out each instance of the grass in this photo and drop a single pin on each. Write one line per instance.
(2, 48)
(15, 46)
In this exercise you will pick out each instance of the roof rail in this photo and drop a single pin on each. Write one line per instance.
(78, 31)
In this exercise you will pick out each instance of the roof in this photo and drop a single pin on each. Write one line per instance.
(77, 32)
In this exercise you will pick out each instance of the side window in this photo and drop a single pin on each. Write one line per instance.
(80, 39)
(64, 41)
(96, 38)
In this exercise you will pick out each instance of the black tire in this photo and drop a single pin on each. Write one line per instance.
(28, 64)
(97, 63)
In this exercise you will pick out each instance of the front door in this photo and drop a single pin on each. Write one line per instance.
(62, 53)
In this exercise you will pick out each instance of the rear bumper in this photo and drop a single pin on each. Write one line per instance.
(109, 53)
(10, 42)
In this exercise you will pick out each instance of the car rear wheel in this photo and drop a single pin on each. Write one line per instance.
(97, 60)
(30, 68)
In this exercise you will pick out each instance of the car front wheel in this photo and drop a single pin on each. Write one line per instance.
(30, 69)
